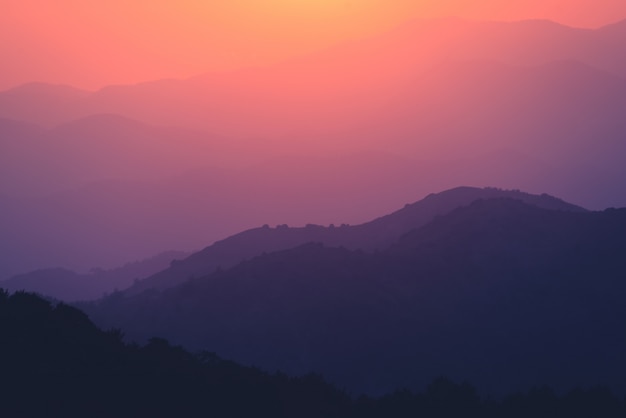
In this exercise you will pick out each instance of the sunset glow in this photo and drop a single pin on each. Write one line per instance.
(355, 203)
(173, 124)
(93, 43)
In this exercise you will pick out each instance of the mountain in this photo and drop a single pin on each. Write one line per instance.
(502, 293)
(39, 102)
(183, 163)
(101, 147)
(328, 94)
(54, 350)
(374, 235)
(397, 56)
(134, 218)
(67, 285)
(563, 111)
(614, 31)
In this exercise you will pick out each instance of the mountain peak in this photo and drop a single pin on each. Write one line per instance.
(378, 234)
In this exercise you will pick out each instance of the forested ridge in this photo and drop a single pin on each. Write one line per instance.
(56, 362)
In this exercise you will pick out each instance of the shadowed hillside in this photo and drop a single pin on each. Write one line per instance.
(67, 285)
(375, 235)
(497, 291)
(62, 365)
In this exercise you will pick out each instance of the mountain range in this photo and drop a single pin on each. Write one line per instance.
(375, 235)
(179, 164)
(172, 268)
(398, 56)
(502, 293)
(55, 351)
(279, 175)
(68, 285)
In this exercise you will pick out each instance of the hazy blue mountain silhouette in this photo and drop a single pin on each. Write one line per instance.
(374, 235)
(502, 293)
(67, 285)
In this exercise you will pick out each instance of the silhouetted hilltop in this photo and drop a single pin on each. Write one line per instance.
(57, 363)
(40, 103)
(67, 285)
(389, 228)
(502, 293)
(616, 31)
(375, 235)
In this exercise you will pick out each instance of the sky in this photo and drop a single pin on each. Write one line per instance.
(416, 111)
(90, 44)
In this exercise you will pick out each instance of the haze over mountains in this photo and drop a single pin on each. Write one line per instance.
(341, 136)
(55, 351)
(67, 285)
(261, 217)
(374, 235)
(500, 292)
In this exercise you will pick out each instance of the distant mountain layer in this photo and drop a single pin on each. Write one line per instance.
(397, 55)
(374, 235)
(67, 285)
(99, 147)
(182, 163)
(500, 292)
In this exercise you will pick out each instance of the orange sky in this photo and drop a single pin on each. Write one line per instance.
(89, 43)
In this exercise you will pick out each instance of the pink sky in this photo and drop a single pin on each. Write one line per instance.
(90, 44)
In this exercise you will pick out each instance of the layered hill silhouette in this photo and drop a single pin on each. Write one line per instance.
(108, 222)
(530, 105)
(61, 359)
(399, 55)
(68, 285)
(505, 289)
(101, 147)
(500, 292)
(73, 369)
(465, 89)
(377, 234)
(513, 82)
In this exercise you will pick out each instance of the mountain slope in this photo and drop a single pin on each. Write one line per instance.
(74, 370)
(102, 146)
(375, 235)
(67, 285)
(499, 292)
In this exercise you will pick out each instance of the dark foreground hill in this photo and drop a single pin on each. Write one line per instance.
(501, 293)
(375, 235)
(57, 363)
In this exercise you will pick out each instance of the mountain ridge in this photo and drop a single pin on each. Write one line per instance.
(524, 292)
(373, 235)
(68, 285)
